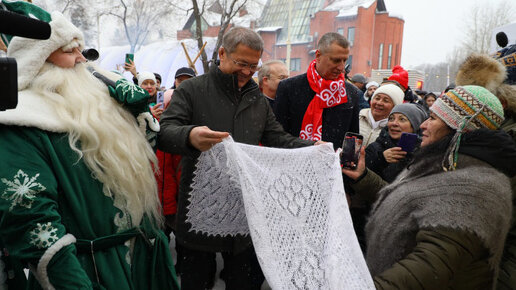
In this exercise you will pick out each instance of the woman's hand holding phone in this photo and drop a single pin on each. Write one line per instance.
(394, 154)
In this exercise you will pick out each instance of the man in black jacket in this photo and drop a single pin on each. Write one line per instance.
(203, 111)
(295, 95)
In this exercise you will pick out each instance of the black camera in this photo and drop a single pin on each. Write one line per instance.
(8, 83)
(90, 54)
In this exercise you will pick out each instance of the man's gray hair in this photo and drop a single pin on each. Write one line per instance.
(265, 71)
(329, 38)
(242, 35)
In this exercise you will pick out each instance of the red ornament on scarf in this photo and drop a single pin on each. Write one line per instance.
(328, 93)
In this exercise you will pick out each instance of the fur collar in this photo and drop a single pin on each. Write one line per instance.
(33, 111)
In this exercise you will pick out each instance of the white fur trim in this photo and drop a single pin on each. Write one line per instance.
(147, 119)
(31, 54)
(33, 111)
(41, 272)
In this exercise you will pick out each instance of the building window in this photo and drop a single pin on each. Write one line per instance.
(340, 31)
(350, 62)
(351, 35)
(295, 64)
(389, 57)
(380, 56)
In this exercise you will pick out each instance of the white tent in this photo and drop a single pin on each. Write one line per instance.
(164, 57)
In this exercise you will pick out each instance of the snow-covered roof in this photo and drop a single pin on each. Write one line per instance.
(396, 15)
(348, 8)
(269, 29)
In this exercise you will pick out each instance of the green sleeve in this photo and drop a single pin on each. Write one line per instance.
(434, 262)
(30, 222)
(131, 96)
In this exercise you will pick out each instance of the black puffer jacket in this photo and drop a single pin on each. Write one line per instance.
(214, 100)
(376, 162)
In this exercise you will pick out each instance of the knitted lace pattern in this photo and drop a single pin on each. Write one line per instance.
(292, 203)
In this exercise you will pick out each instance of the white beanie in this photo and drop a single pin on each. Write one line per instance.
(31, 54)
(393, 91)
(145, 75)
(371, 83)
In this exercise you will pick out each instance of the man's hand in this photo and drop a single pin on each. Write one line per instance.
(394, 154)
(203, 138)
(157, 110)
(357, 172)
(320, 142)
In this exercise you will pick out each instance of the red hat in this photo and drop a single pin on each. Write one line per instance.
(400, 75)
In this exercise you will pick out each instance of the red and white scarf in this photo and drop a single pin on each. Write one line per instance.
(328, 93)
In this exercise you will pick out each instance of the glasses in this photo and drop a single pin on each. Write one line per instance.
(243, 65)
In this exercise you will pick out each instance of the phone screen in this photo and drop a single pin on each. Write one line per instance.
(160, 98)
(351, 150)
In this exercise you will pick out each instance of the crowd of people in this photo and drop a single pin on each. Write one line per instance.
(96, 173)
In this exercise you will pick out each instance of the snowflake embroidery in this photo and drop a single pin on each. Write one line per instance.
(43, 235)
(21, 190)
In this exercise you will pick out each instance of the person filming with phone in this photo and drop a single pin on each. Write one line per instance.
(392, 150)
(441, 224)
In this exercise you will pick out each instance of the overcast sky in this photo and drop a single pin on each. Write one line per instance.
(432, 27)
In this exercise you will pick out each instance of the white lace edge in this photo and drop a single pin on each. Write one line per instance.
(41, 271)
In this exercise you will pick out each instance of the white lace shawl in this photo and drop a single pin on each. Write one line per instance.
(293, 204)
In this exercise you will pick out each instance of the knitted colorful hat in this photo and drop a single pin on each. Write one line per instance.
(31, 54)
(469, 108)
(400, 75)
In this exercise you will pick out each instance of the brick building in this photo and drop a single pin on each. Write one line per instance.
(376, 36)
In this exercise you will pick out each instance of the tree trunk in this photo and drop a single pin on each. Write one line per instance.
(198, 35)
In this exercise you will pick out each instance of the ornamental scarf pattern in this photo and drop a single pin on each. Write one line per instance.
(293, 204)
(328, 93)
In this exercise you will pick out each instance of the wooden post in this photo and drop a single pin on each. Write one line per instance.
(200, 51)
(190, 63)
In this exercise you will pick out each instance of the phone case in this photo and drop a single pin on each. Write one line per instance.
(408, 142)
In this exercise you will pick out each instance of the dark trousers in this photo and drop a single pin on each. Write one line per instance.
(241, 271)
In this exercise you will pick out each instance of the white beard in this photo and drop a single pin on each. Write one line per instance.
(106, 136)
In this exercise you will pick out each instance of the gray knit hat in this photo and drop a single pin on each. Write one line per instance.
(413, 112)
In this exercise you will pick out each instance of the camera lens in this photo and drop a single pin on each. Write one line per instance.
(90, 54)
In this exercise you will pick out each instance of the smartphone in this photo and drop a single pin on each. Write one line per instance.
(351, 150)
(408, 142)
(160, 98)
(129, 56)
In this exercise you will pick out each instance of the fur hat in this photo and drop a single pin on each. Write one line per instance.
(145, 75)
(399, 75)
(31, 54)
(483, 70)
(391, 90)
(469, 108)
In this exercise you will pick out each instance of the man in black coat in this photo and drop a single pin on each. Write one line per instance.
(202, 112)
(295, 94)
